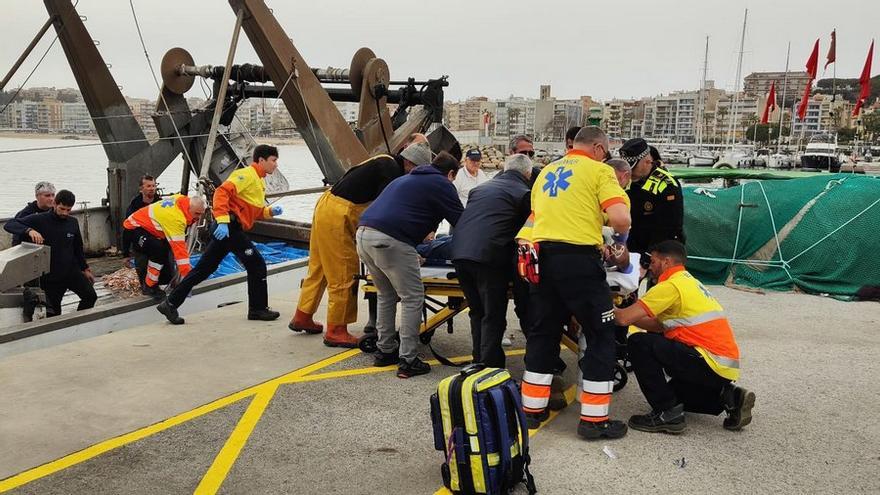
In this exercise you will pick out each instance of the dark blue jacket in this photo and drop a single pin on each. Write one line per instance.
(28, 210)
(61, 234)
(413, 205)
(495, 212)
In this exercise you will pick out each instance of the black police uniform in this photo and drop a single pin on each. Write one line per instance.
(657, 210)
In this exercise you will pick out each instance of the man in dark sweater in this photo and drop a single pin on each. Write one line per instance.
(68, 269)
(333, 259)
(484, 253)
(146, 196)
(401, 217)
(45, 199)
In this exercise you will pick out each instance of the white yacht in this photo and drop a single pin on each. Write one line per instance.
(821, 154)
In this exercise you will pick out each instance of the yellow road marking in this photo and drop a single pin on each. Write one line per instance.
(107, 445)
(570, 394)
(219, 469)
(329, 375)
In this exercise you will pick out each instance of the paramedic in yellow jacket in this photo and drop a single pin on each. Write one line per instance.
(238, 202)
(160, 227)
(688, 339)
(569, 199)
(333, 259)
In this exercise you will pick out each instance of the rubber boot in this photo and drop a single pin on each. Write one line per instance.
(338, 336)
(303, 322)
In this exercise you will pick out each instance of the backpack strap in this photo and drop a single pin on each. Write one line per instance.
(512, 391)
(500, 408)
(426, 339)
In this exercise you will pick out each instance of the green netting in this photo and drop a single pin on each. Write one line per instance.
(693, 173)
(817, 234)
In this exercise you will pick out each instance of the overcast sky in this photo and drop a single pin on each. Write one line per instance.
(488, 48)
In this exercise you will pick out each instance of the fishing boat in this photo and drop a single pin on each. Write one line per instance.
(214, 143)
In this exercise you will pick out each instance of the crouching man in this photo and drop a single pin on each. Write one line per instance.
(689, 339)
(159, 228)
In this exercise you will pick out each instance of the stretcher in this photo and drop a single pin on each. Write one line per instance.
(441, 282)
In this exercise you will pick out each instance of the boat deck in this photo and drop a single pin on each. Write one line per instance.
(225, 405)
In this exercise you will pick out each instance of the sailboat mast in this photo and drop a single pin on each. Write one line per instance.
(742, 42)
(782, 107)
(702, 111)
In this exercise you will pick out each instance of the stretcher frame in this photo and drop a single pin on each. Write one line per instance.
(436, 312)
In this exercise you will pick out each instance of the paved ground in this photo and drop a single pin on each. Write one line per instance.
(227, 405)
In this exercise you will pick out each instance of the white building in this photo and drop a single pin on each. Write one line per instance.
(75, 118)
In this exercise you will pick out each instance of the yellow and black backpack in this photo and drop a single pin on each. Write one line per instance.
(480, 426)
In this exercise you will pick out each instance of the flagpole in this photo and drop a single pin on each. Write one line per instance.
(782, 107)
(834, 74)
(731, 132)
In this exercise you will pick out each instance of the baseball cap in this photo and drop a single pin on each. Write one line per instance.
(474, 154)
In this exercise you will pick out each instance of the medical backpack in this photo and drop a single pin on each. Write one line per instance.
(480, 426)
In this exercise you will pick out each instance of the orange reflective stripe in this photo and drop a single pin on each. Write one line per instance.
(595, 399)
(536, 391)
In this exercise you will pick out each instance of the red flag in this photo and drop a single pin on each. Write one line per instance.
(812, 67)
(865, 82)
(832, 50)
(813, 61)
(802, 108)
(770, 105)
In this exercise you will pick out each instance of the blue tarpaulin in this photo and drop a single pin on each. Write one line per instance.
(273, 252)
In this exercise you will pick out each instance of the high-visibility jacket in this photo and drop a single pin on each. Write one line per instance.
(690, 315)
(242, 194)
(568, 200)
(167, 219)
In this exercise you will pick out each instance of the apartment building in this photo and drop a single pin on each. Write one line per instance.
(758, 84)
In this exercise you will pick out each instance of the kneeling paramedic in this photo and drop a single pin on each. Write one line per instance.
(568, 201)
(689, 339)
(159, 228)
(238, 202)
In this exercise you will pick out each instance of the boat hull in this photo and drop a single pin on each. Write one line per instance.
(821, 162)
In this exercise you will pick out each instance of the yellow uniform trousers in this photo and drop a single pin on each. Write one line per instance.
(333, 260)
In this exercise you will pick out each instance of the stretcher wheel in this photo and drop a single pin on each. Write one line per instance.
(368, 343)
(620, 377)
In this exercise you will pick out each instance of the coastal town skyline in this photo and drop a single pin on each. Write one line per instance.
(643, 48)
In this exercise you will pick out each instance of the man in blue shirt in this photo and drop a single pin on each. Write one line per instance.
(401, 217)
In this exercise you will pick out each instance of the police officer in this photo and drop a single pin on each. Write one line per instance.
(68, 269)
(568, 201)
(657, 204)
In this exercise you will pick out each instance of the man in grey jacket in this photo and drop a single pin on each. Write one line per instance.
(406, 211)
